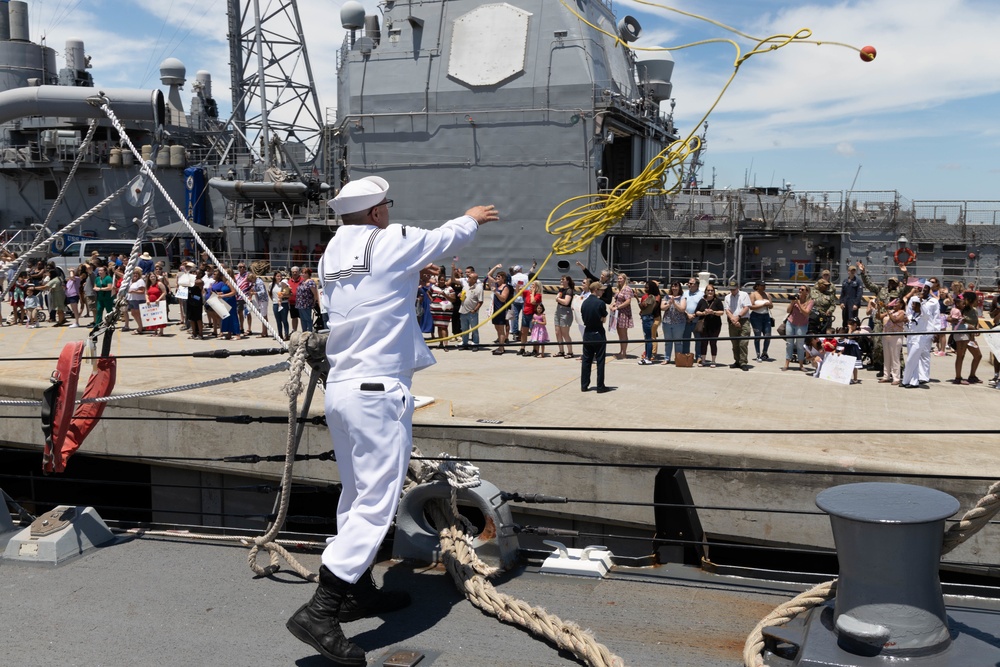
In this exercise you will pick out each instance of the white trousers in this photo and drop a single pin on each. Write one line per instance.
(370, 423)
(918, 360)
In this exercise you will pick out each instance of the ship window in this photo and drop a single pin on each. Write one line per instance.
(952, 261)
(953, 273)
(953, 248)
(925, 247)
(51, 190)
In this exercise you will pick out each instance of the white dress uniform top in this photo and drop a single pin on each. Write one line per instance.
(918, 357)
(370, 277)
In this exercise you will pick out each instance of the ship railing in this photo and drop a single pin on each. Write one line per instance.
(665, 271)
(708, 516)
(17, 240)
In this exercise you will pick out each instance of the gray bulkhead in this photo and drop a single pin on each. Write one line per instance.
(518, 104)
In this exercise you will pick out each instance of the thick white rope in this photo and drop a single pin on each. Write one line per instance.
(147, 168)
(471, 574)
(292, 388)
(52, 211)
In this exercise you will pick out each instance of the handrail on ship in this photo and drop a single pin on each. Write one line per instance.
(678, 516)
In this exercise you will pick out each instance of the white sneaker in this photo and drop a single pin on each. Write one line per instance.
(73, 326)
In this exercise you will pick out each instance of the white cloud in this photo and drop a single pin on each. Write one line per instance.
(845, 148)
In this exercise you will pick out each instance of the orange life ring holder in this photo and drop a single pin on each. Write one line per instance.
(910, 256)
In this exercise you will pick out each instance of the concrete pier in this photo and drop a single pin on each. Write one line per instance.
(531, 392)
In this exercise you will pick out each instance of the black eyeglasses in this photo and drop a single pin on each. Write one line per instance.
(387, 203)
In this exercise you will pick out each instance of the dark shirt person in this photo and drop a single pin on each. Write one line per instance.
(594, 313)
(604, 279)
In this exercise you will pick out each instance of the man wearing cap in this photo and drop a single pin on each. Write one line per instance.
(370, 272)
(851, 291)
(737, 307)
(824, 306)
(925, 310)
(883, 295)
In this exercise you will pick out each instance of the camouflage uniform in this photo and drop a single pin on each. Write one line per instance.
(825, 304)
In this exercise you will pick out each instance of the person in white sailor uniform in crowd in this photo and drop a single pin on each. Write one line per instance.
(924, 306)
(370, 274)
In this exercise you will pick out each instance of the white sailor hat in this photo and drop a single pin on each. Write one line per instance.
(359, 195)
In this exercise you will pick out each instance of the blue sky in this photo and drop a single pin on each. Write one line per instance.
(920, 119)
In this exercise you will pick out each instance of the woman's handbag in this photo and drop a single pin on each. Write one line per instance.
(783, 328)
(684, 360)
(699, 326)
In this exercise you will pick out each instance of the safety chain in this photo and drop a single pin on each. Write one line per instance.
(970, 524)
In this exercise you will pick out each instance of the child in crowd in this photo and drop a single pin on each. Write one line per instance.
(850, 346)
(814, 353)
(17, 301)
(539, 334)
(31, 307)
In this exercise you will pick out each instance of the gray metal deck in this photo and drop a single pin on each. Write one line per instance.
(153, 601)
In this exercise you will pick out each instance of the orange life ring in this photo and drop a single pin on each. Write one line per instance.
(910, 256)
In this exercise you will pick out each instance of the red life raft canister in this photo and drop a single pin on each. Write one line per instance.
(65, 424)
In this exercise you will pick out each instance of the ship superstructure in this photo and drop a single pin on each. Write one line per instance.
(520, 104)
(779, 234)
(37, 152)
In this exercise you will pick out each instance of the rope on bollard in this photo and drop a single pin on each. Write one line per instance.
(971, 523)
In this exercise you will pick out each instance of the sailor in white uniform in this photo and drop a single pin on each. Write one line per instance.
(918, 357)
(370, 274)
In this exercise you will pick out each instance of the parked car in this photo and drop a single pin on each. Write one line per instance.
(79, 252)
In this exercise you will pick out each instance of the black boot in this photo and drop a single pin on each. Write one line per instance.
(316, 622)
(365, 599)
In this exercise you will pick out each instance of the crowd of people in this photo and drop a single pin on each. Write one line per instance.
(43, 294)
(686, 318)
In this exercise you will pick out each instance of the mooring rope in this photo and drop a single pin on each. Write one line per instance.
(235, 377)
(146, 167)
(292, 388)
(38, 245)
(471, 574)
(971, 522)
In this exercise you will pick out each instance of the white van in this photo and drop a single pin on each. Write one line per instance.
(78, 252)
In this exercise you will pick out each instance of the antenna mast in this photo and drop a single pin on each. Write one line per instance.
(274, 93)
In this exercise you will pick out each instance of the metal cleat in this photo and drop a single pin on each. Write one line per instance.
(592, 561)
(59, 535)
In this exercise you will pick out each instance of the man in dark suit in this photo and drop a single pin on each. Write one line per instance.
(594, 312)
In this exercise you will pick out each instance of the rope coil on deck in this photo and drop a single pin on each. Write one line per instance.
(970, 524)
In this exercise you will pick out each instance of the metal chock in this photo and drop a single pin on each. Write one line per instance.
(416, 539)
(59, 535)
(592, 561)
